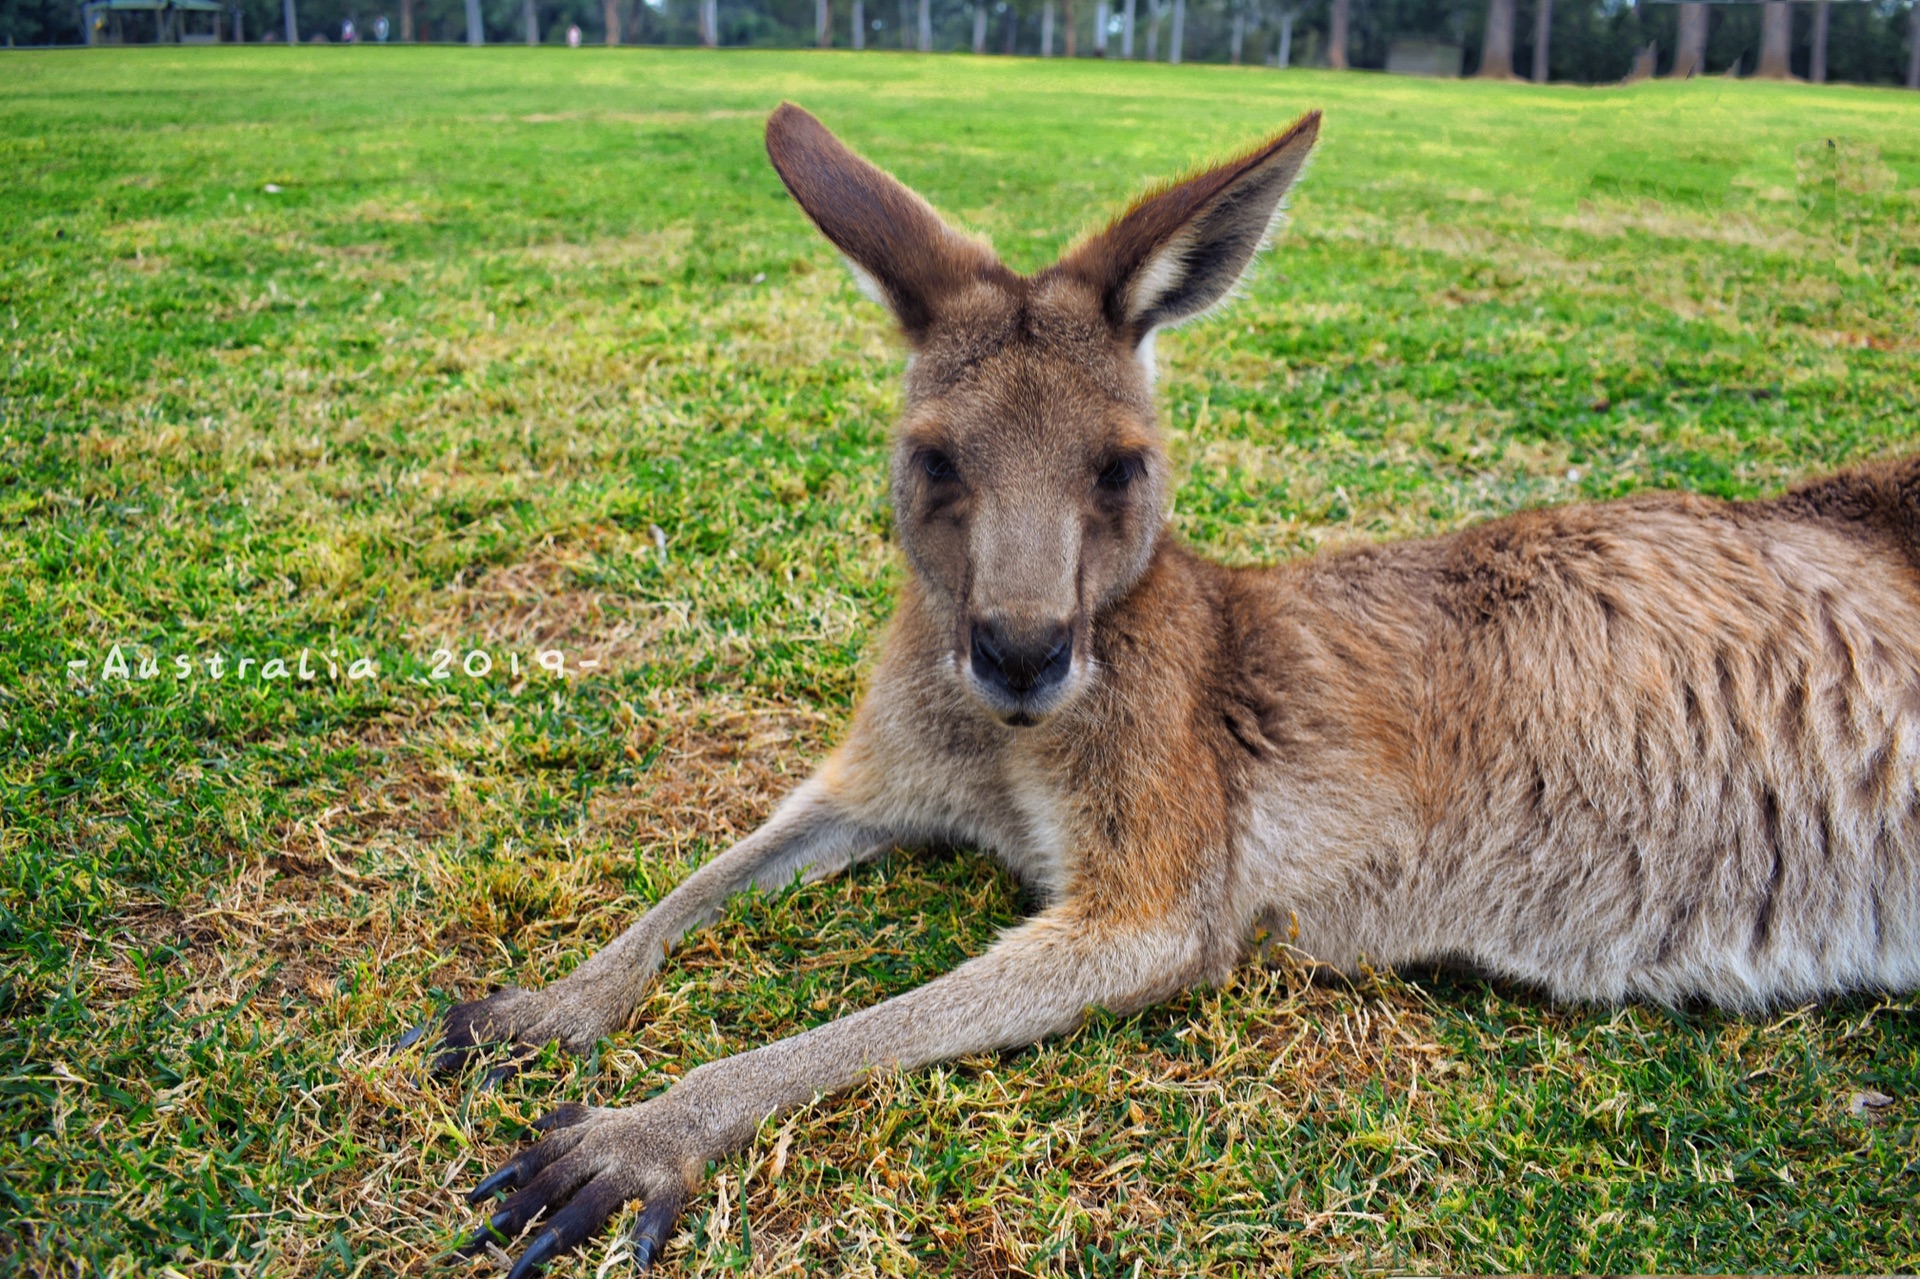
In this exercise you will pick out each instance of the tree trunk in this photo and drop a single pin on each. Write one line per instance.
(610, 10)
(1102, 15)
(709, 24)
(1542, 30)
(476, 34)
(979, 27)
(1690, 44)
(1337, 36)
(1153, 29)
(1284, 55)
(532, 17)
(1046, 29)
(858, 37)
(1009, 30)
(823, 23)
(1817, 72)
(1126, 31)
(292, 22)
(1776, 41)
(1071, 44)
(926, 26)
(1239, 37)
(1179, 31)
(1913, 48)
(1496, 51)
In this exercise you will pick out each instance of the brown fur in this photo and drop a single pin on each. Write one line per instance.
(1666, 748)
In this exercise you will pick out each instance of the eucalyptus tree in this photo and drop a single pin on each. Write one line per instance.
(1776, 41)
(1913, 46)
(1496, 50)
(1542, 30)
(1690, 43)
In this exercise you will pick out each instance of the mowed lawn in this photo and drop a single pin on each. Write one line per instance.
(524, 358)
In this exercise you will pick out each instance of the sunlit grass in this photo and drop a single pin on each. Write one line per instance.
(528, 353)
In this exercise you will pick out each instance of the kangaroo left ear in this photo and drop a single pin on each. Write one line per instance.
(1178, 252)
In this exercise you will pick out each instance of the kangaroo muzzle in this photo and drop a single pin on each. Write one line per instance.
(1020, 669)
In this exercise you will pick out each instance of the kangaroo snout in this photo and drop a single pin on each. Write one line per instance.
(1019, 666)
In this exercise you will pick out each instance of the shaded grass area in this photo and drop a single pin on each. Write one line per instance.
(526, 353)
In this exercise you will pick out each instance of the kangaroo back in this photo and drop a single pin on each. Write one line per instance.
(1879, 500)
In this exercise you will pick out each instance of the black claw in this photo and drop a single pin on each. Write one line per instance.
(536, 1255)
(654, 1225)
(452, 1061)
(508, 1175)
(564, 1116)
(499, 1075)
(414, 1036)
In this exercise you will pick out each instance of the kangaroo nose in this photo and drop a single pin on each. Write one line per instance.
(1024, 661)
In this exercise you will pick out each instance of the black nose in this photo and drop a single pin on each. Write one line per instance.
(1021, 662)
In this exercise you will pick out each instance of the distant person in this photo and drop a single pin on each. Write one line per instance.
(346, 31)
(573, 36)
(380, 28)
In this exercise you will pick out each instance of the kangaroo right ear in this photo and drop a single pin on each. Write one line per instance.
(1179, 251)
(901, 253)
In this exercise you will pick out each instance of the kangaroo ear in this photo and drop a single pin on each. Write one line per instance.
(900, 251)
(1177, 252)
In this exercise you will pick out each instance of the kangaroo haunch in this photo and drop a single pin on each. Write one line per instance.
(1665, 748)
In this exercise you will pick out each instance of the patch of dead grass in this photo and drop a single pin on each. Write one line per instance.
(535, 604)
(664, 250)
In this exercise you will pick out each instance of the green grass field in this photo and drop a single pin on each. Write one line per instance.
(375, 353)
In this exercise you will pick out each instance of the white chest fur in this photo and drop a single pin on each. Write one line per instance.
(1036, 841)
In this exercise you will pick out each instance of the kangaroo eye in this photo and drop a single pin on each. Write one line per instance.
(1120, 472)
(938, 465)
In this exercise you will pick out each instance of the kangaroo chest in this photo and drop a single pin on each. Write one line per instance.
(1032, 833)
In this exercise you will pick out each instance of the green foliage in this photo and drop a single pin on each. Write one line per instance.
(376, 353)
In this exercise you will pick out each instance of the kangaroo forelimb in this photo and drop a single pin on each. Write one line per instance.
(809, 837)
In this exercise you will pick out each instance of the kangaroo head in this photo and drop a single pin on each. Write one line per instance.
(1030, 482)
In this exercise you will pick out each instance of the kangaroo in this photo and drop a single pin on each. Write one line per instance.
(1665, 748)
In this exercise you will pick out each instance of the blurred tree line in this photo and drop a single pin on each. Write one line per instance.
(1591, 41)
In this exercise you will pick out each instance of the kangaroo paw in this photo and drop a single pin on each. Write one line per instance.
(591, 1162)
(527, 1020)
